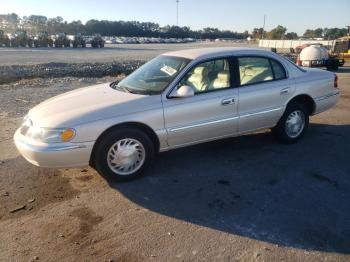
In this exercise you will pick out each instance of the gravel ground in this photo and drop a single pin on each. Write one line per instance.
(27, 63)
(17, 72)
(111, 53)
(240, 199)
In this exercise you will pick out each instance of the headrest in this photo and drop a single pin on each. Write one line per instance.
(200, 70)
(224, 76)
(249, 72)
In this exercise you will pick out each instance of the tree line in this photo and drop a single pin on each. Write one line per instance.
(35, 23)
(280, 32)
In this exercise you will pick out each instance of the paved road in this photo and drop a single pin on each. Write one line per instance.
(30, 56)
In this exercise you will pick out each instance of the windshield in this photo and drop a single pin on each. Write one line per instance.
(154, 76)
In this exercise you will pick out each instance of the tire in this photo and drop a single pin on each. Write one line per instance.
(114, 141)
(332, 65)
(294, 112)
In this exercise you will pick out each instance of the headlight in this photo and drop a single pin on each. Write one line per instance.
(46, 135)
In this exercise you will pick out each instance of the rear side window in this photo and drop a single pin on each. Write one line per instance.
(254, 70)
(279, 71)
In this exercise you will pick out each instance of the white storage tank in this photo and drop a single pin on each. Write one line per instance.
(313, 53)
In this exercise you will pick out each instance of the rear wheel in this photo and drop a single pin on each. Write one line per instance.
(293, 124)
(123, 154)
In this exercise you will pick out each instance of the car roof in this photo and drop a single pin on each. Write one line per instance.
(201, 53)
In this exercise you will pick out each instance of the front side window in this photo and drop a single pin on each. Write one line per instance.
(208, 76)
(154, 76)
(254, 70)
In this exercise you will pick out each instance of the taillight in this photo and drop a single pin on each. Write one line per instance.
(335, 81)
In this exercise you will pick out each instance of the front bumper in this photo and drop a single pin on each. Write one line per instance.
(56, 155)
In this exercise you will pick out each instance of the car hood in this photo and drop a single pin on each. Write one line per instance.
(89, 104)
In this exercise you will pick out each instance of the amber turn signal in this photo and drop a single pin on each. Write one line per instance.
(67, 135)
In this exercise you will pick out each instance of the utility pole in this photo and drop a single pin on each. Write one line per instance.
(177, 12)
(262, 33)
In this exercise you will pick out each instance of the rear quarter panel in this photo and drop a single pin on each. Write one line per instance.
(317, 84)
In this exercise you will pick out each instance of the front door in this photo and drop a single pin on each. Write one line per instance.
(213, 110)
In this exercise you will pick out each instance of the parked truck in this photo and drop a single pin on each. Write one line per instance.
(78, 40)
(4, 40)
(316, 55)
(19, 38)
(61, 40)
(42, 39)
(97, 41)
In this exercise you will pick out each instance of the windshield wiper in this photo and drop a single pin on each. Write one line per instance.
(113, 84)
(126, 89)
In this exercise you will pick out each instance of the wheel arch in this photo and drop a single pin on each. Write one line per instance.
(137, 125)
(306, 100)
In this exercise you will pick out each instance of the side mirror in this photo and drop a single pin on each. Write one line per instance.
(182, 91)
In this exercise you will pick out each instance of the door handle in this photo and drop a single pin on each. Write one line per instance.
(228, 101)
(285, 91)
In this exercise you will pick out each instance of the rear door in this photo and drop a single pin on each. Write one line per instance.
(263, 90)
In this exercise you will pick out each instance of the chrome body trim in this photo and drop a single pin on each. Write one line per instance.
(202, 124)
(326, 96)
(46, 149)
(223, 120)
(261, 112)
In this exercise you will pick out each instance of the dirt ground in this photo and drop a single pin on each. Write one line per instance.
(240, 199)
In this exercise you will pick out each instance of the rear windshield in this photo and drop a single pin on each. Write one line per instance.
(294, 64)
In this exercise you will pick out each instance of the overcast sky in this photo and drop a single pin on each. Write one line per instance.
(296, 15)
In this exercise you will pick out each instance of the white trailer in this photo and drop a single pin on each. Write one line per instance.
(288, 44)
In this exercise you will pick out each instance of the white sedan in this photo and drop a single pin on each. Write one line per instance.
(177, 99)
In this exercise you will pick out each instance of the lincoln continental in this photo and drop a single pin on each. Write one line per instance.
(177, 99)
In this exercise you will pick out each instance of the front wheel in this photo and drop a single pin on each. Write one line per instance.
(123, 154)
(293, 124)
